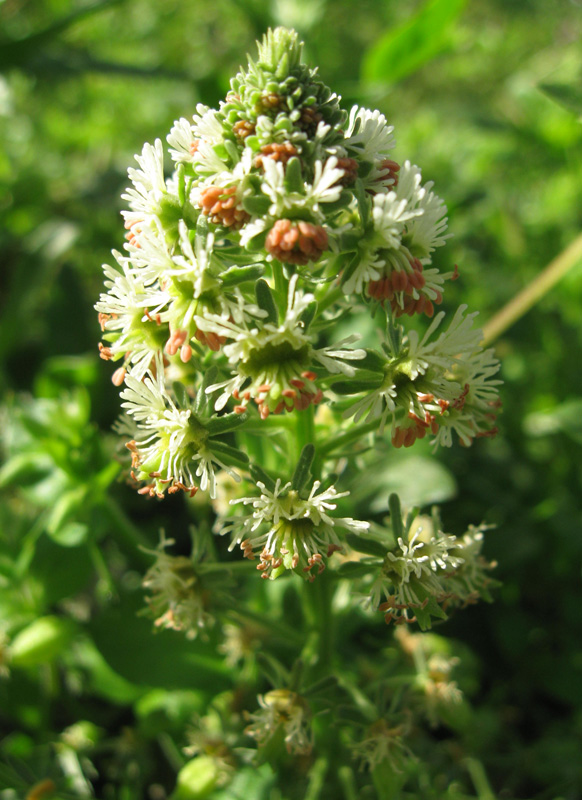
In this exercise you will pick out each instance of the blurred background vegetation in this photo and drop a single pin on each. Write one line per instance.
(486, 96)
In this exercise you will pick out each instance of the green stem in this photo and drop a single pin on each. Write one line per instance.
(305, 428)
(347, 438)
(329, 299)
(106, 584)
(479, 778)
(534, 292)
(128, 532)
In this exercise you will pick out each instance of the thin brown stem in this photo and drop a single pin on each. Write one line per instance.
(528, 297)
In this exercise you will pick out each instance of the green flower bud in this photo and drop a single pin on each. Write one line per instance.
(41, 642)
(197, 779)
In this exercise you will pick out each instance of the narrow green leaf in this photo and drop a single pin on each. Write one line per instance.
(303, 469)
(259, 474)
(181, 394)
(307, 316)
(354, 569)
(266, 301)
(395, 515)
(363, 544)
(202, 397)
(407, 47)
(569, 96)
(237, 275)
(230, 455)
(355, 385)
(228, 422)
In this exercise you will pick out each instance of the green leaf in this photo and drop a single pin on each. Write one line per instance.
(67, 506)
(303, 468)
(181, 395)
(356, 384)
(407, 47)
(569, 96)
(419, 480)
(266, 301)
(256, 205)
(395, 515)
(226, 423)
(259, 474)
(202, 397)
(237, 275)
(363, 544)
(230, 455)
(563, 418)
(144, 656)
(307, 316)
(354, 569)
(72, 534)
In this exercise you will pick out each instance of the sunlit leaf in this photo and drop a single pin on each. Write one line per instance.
(405, 48)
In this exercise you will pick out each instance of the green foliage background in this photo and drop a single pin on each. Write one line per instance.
(486, 98)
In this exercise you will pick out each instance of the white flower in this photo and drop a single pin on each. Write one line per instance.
(125, 316)
(207, 125)
(427, 229)
(326, 188)
(175, 598)
(369, 268)
(290, 530)
(390, 213)
(182, 141)
(175, 449)
(368, 133)
(273, 361)
(148, 181)
(282, 708)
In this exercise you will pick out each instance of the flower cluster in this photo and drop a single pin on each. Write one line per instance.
(282, 214)
(286, 713)
(179, 589)
(291, 529)
(428, 572)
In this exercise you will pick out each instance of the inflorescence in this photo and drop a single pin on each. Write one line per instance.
(282, 213)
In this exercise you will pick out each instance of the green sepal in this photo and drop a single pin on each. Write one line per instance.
(259, 474)
(202, 398)
(237, 275)
(293, 175)
(181, 395)
(228, 422)
(221, 151)
(303, 469)
(266, 301)
(364, 544)
(431, 610)
(232, 151)
(395, 516)
(230, 455)
(256, 205)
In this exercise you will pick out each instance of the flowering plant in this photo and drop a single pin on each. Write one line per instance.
(283, 220)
